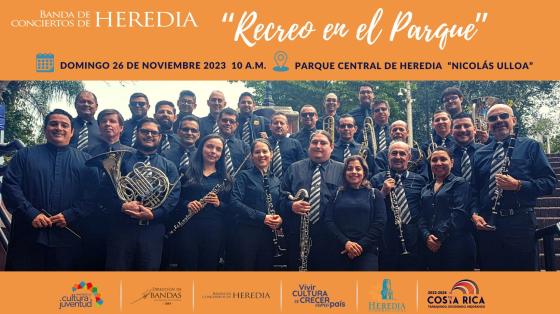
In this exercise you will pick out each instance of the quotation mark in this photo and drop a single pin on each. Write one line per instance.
(228, 17)
(482, 16)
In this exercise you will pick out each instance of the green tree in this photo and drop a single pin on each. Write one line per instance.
(27, 104)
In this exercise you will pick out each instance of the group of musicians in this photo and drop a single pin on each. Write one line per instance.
(346, 192)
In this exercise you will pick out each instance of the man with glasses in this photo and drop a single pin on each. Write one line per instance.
(86, 130)
(345, 146)
(308, 119)
(235, 150)
(187, 134)
(138, 105)
(136, 238)
(366, 97)
(452, 100)
(381, 114)
(216, 102)
(510, 243)
(399, 132)
(251, 126)
(186, 104)
(165, 116)
(330, 106)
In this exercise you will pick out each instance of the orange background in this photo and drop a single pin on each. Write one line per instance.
(513, 31)
(30, 292)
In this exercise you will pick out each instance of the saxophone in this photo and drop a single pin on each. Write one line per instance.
(498, 193)
(397, 213)
(277, 234)
(304, 238)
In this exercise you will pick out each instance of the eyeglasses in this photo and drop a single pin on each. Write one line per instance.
(376, 110)
(187, 130)
(230, 121)
(148, 132)
(307, 114)
(346, 126)
(137, 104)
(450, 98)
(502, 116)
(215, 101)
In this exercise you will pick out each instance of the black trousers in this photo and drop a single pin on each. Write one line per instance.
(134, 247)
(458, 252)
(512, 246)
(200, 245)
(368, 261)
(323, 252)
(254, 248)
(391, 257)
(29, 256)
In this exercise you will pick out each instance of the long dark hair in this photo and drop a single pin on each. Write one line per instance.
(365, 182)
(194, 172)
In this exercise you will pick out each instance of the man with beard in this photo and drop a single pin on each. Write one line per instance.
(286, 150)
(511, 244)
(187, 134)
(86, 130)
(251, 126)
(95, 229)
(137, 232)
(345, 146)
(330, 106)
(138, 105)
(465, 147)
(46, 187)
(440, 136)
(209, 124)
(399, 132)
(366, 97)
(234, 149)
(186, 104)
(308, 119)
(321, 177)
(165, 116)
(407, 187)
(381, 113)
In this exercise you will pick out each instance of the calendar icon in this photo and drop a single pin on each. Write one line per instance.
(44, 62)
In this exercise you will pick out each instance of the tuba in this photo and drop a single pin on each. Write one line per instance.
(146, 184)
(328, 125)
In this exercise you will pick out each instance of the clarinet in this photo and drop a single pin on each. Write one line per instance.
(218, 188)
(304, 238)
(277, 234)
(397, 213)
(498, 193)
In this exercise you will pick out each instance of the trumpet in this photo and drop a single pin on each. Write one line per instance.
(304, 238)
(368, 130)
(328, 125)
(397, 214)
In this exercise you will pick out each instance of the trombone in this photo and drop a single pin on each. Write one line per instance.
(328, 125)
(368, 130)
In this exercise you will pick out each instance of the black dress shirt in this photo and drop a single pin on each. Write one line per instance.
(457, 154)
(382, 162)
(290, 149)
(50, 178)
(303, 136)
(94, 138)
(528, 164)
(126, 135)
(238, 151)
(338, 154)
(206, 125)
(248, 198)
(444, 213)
(257, 125)
(175, 153)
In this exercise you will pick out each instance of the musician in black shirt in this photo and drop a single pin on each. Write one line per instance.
(406, 186)
(356, 217)
(512, 246)
(249, 200)
(216, 102)
(308, 119)
(201, 239)
(444, 223)
(139, 106)
(187, 135)
(345, 146)
(287, 149)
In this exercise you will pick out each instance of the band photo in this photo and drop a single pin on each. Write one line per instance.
(279, 175)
